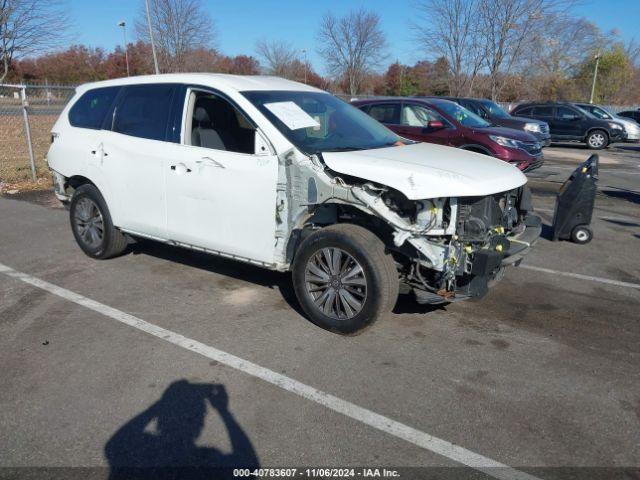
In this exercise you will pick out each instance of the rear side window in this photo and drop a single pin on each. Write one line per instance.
(143, 111)
(89, 111)
(385, 113)
(543, 111)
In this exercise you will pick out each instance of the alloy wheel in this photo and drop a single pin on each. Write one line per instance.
(596, 140)
(89, 222)
(336, 283)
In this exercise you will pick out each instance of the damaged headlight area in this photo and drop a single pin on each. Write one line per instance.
(454, 248)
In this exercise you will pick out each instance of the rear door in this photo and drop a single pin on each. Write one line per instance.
(135, 153)
(545, 113)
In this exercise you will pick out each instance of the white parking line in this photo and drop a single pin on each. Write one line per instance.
(380, 422)
(591, 278)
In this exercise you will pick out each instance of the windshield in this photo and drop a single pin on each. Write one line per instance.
(319, 122)
(463, 116)
(494, 109)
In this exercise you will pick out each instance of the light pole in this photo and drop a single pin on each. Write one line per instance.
(153, 45)
(595, 75)
(126, 50)
(304, 52)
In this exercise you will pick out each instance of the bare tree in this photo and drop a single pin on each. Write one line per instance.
(179, 28)
(553, 56)
(28, 27)
(279, 57)
(449, 29)
(510, 28)
(352, 46)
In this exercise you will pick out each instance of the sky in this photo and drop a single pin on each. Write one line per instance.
(240, 23)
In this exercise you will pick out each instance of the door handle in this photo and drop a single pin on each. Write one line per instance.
(180, 168)
(210, 161)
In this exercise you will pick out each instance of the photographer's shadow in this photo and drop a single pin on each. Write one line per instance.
(161, 441)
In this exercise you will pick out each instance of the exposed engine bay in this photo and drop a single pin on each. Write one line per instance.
(463, 241)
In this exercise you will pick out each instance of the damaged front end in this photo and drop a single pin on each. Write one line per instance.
(460, 245)
(446, 249)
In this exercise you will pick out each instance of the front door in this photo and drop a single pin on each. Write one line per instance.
(221, 195)
(423, 124)
(568, 122)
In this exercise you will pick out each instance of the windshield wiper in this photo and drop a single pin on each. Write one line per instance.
(342, 149)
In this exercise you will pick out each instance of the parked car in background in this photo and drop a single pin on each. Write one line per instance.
(569, 123)
(445, 122)
(494, 114)
(630, 127)
(284, 176)
(632, 114)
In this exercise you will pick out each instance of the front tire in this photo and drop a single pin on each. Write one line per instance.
(344, 279)
(92, 226)
(597, 140)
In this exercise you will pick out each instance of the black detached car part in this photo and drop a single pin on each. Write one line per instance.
(574, 203)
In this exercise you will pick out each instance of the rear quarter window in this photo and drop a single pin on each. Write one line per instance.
(90, 109)
(388, 113)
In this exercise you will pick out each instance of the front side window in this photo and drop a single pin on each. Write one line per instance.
(419, 116)
(474, 108)
(564, 113)
(89, 111)
(525, 112)
(461, 115)
(543, 111)
(319, 122)
(144, 111)
(213, 122)
(494, 109)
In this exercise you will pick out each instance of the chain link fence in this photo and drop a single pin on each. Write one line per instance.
(27, 114)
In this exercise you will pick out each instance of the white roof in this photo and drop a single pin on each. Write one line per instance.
(239, 83)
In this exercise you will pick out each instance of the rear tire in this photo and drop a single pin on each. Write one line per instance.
(92, 226)
(344, 279)
(581, 234)
(597, 140)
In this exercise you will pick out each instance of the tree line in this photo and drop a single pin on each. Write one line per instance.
(502, 49)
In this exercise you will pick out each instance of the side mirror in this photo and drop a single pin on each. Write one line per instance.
(435, 125)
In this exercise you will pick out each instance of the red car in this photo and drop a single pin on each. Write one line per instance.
(447, 123)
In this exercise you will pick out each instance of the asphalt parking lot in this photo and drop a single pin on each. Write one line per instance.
(109, 363)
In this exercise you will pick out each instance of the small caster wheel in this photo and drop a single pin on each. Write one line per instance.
(581, 234)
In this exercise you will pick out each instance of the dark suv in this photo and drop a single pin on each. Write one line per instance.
(632, 114)
(494, 114)
(434, 120)
(569, 123)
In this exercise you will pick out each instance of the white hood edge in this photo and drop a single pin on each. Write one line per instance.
(425, 170)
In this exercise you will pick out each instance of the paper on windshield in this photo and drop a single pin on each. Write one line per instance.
(292, 115)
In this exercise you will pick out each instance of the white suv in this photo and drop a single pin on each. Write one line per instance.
(288, 177)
